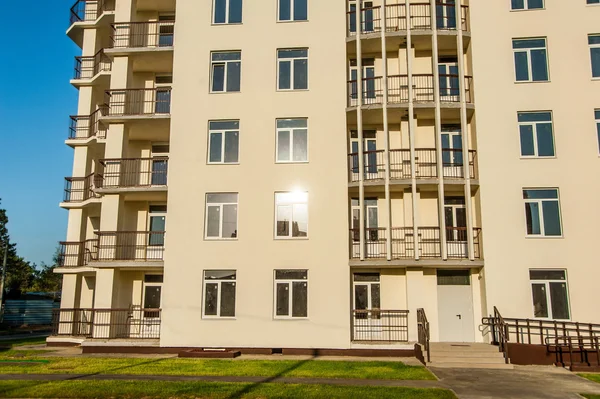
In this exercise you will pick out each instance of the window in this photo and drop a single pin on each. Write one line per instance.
(527, 4)
(594, 41)
(152, 295)
(537, 138)
(367, 295)
(597, 114)
(550, 294)
(157, 221)
(292, 140)
(542, 212)
(293, 10)
(224, 141)
(219, 293)
(221, 216)
(226, 71)
(291, 293)
(292, 69)
(291, 215)
(593, 1)
(531, 60)
(160, 164)
(227, 11)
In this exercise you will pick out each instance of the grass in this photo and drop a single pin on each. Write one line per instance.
(22, 341)
(591, 377)
(157, 389)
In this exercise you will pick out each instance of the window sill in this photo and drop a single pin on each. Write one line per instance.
(525, 158)
(291, 238)
(222, 163)
(291, 21)
(280, 318)
(290, 162)
(224, 92)
(220, 239)
(596, 79)
(226, 23)
(543, 237)
(290, 90)
(527, 9)
(217, 318)
(520, 82)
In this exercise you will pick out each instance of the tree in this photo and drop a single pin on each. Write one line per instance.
(45, 278)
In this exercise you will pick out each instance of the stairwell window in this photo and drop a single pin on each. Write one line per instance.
(219, 294)
(542, 212)
(527, 4)
(537, 138)
(221, 216)
(226, 70)
(291, 294)
(293, 10)
(291, 215)
(594, 42)
(292, 69)
(223, 142)
(531, 60)
(227, 11)
(550, 294)
(292, 140)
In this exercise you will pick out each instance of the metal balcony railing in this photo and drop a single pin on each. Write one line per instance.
(88, 67)
(377, 325)
(133, 172)
(90, 10)
(85, 126)
(138, 102)
(79, 189)
(153, 34)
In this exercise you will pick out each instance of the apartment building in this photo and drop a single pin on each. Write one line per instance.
(294, 174)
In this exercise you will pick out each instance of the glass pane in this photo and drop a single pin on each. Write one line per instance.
(285, 72)
(300, 145)
(300, 74)
(539, 65)
(283, 299)
(535, 4)
(284, 217)
(152, 297)
(227, 56)
(366, 277)
(545, 140)
(529, 43)
(527, 146)
(219, 275)
(229, 221)
(446, 155)
(159, 172)
(221, 198)
(375, 296)
(540, 194)
(551, 218)
(216, 144)
(547, 275)
(461, 224)
(285, 10)
(453, 277)
(291, 123)
(218, 83)
(559, 301)
(352, 15)
(372, 219)
(300, 10)
(595, 52)
(228, 299)
(292, 53)
(521, 66)
(232, 140)
(594, 39)
(214, 218)
(361, 297)
(157, 223)
(532, 214)
(210, 299)
(291, 274)
(235, 11)
(293, 198)
(300, 225)
(224, 125)
(220, 7)
(598, 129)
(233, 76)
(535, 116)
(540, 301)
(299, 299)
(153, 278)
(283, 146)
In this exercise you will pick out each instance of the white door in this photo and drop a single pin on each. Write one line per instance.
(449, 82)
(452, 154)
(373, 246)
(369, 157)
(455, 214)
(367, 303)
(455, 306)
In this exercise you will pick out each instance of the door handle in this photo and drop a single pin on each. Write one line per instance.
(459, 317)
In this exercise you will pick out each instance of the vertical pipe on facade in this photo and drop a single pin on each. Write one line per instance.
(411, 130)
(438, 130)
(464, 127)
(386, 131)
(361, 158)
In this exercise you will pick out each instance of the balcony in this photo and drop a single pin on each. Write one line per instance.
(403, 243)
(124, 246)
(88, 13)
(423, 89)
(87, 127)
(80, 189)
(376, 325)
(89, 69)
(155, 35)
(123, 104)
(396, 18)
(134, 323)
(133, 173)
(401, 168)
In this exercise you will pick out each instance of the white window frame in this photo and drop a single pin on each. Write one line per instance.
(535, 138)
(526, 6)
(144, 285)
(214, 131)
(291, 60)
(369, 285)
(291, 222)
(226, 62)
(219, 292)
(539, 201)
(227, 4)
(597, 119)
(529, 63)
(593, 46)
(290, 284)
(292, 15)
(291, 130)
(221, 205)
(548, 297)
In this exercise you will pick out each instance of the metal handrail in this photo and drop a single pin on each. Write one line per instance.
(424, 332)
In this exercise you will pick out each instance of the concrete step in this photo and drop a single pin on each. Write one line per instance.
(470, 360)
(474, 354)
(462, 347)
(498, 366)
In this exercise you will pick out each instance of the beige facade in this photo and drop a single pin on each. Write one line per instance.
(234, 185)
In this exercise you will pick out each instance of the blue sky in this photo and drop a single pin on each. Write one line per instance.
(36, 100)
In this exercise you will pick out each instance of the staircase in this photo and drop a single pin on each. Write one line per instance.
(466, 355)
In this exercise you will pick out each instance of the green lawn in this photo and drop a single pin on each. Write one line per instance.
(22, 341)
(591, 377)
(131, 389)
